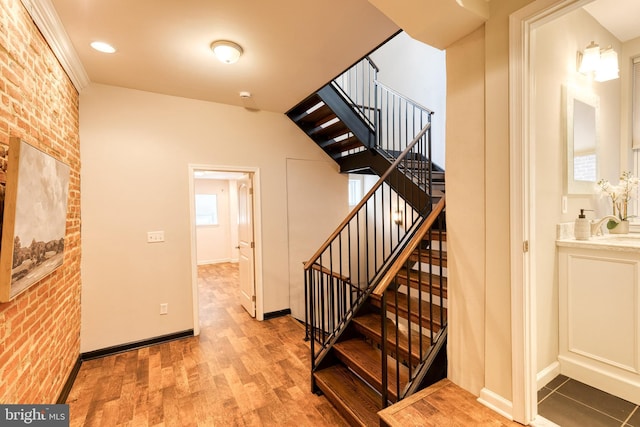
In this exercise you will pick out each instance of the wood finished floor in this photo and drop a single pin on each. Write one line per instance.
(238, 372)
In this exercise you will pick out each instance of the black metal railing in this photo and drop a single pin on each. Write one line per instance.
(413, 294)
(398, 121)
(383, 233)
(358, 88)
(340, 275)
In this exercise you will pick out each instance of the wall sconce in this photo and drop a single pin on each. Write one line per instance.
(603, 63)
(398, 217)
(226, 51)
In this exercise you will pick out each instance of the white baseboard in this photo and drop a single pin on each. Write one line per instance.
(542, 422)
(496, 402)
(547, 374)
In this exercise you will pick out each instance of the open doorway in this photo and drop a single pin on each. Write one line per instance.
(557, 29)
(225, 227)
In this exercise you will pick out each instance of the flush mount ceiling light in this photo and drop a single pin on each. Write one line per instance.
(602, 63)
(226, 51)
(103, 47)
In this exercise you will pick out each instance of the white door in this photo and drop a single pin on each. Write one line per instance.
(246, 246)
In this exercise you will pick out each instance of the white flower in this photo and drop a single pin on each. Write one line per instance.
(619, 194)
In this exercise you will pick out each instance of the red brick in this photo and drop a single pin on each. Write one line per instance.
(39, 335)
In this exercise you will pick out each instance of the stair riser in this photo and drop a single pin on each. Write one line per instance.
(425, 288)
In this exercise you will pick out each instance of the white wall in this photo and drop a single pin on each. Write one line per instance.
(321, 181)
(466, 212)
(417, 71)
(479, 346)
(136, 148)
(213, 242)
(557, 43)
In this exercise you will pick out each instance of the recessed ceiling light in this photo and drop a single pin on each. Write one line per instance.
(226, 51)
(103, 47)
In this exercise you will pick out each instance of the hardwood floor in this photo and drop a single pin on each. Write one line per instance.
(238, 372)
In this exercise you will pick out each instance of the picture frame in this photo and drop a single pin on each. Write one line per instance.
(34, 218)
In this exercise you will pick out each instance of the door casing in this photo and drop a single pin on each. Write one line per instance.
(257, 232)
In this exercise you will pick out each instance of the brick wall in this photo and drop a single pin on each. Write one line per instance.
(40, 329)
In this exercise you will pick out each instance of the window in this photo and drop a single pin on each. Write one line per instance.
(355, 191)
(206, 209)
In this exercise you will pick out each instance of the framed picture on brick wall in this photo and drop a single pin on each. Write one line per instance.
(34, 218)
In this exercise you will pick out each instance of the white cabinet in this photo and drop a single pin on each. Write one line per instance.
(599, 316)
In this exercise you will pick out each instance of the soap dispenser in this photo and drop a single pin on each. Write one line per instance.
(582, 229)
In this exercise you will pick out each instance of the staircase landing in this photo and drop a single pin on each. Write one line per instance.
(442, 404)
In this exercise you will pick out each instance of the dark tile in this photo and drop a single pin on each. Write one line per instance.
(569, 413)
(597, 399)
(543, 392)
(635, 418)
(557, 382)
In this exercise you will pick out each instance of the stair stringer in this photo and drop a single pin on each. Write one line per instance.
(374, 160)
(347, 114)
(426, 371)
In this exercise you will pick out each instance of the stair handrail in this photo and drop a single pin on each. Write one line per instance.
(411, 246)
(366, 198)
(404, 97)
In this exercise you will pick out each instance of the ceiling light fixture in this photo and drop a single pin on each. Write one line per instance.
(103, 47)
(226, 51)
(602, 63)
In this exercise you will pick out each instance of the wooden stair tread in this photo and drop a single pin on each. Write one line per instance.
(369, 326)
(355, 400)
(436, 285)
(416, 317)
(429, 256)
(366, 361)
(436, 235)
(319, 115)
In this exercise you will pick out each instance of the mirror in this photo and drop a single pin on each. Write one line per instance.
(582, 118)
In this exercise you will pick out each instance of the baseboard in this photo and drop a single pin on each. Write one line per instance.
(274, 314)
(496, 402)
(68, 385)
(545, 376)
(64, 394)
(540, 421)
(134, 345)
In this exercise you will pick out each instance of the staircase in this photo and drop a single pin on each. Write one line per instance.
(376, 291)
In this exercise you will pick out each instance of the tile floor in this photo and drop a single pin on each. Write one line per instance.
(570, 403)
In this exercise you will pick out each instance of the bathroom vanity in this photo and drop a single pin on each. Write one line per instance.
(599, 312)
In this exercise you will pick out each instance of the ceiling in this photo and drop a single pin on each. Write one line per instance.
(291, 47)
(620, 17)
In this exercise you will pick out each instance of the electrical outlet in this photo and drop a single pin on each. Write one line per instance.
(155, 236)
(164, 308)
